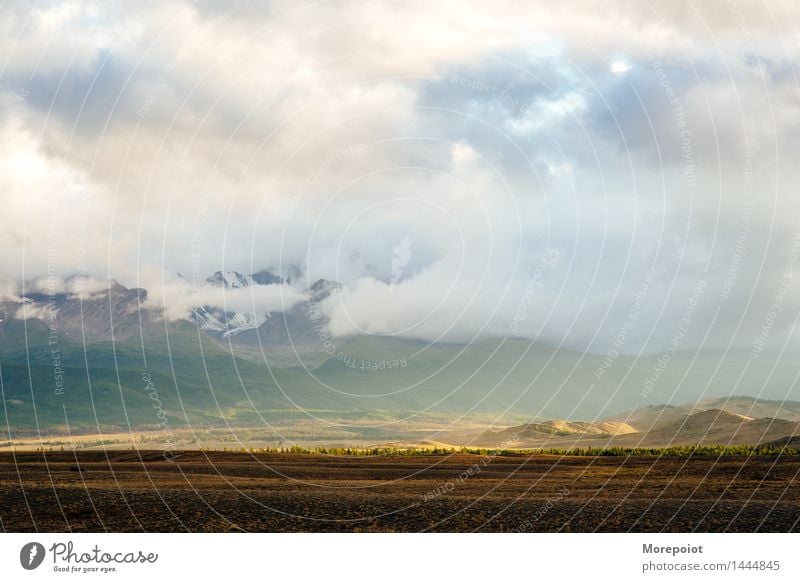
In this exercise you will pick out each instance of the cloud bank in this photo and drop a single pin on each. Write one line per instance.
(434, 158)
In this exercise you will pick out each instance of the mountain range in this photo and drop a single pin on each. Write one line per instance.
(293, 327)
(70, 361)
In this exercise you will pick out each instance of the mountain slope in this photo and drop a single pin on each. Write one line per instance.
(720, 427)
(708, 427)
(289, 366)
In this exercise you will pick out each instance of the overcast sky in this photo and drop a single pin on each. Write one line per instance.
(610, 175)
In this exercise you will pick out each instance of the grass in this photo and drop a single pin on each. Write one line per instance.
(676, 451)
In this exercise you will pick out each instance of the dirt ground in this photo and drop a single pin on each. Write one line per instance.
(196, 491)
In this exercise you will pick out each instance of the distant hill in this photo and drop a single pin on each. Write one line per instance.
(754, 407)
(651, 417)
(657, 426)
(547, 430)
(712, 427)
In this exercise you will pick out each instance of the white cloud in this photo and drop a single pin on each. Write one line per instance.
(620, 67)
(177, 297)
(86, 288)
(34, 311)
(9, 290)
(137, 143)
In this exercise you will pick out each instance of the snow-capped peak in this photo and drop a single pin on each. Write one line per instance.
(213, 319)
(230, 280)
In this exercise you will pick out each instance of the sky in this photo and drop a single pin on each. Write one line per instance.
(602, 175)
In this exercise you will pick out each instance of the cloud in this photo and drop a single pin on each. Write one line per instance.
(33, 311)
(620, 67)
(86, 288)
(140, 142)
(177, 298)
(9, 291)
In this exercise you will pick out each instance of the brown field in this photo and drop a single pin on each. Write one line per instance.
(140, 490)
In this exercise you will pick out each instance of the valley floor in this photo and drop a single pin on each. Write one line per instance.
(196, 491)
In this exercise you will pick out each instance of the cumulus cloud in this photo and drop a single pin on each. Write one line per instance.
(9, 291)
(642, 141)
(78, 287)
(177, 298)
(32, 311)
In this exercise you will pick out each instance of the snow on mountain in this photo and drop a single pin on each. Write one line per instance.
(298, 328)
(226, 324)
(208, 321)
(230, 280)
(105, 309)
(240, 322)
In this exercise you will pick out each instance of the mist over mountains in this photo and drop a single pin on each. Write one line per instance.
(89, 354)
(574, 183)
(533, 210)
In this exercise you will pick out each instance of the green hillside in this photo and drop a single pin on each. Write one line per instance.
(194, 380)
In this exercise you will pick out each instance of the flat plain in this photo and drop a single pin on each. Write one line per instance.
(280, 492)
